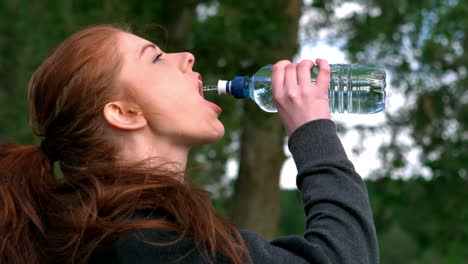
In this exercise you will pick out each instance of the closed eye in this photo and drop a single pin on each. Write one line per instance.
(157, 57)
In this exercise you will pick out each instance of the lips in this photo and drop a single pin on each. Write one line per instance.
(200, 84)
(200, 90)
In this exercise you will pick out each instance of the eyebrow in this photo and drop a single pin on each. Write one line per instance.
(151, 45)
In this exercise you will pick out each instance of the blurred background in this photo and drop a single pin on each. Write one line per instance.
(413, 156)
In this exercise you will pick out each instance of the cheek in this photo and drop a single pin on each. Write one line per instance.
(165, 102)
(204, 124)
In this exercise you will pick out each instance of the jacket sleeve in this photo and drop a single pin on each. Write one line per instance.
(339, 222)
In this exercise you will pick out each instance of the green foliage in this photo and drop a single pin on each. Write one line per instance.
(417, 221)
(422, 44)
(424, 218)
(292, 221)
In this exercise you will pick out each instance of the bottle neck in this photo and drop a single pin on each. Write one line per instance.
(239, 87)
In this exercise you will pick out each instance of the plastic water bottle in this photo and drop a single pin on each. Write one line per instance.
(354, 88)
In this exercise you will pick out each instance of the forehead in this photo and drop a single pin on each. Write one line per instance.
(129, 42)
(129, 47)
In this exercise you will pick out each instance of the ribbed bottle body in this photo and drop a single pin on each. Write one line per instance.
(354, 88)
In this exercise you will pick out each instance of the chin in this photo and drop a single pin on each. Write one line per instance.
(220, 133)
(213, 135)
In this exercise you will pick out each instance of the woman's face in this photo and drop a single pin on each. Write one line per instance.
(168, 92)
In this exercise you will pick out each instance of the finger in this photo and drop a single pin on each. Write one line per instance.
(304, 72)
(290, 77)
(277, 77)
(323, 78)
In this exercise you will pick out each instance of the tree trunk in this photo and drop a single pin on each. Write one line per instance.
(255, 204)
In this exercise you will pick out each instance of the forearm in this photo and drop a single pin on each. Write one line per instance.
(339, 217)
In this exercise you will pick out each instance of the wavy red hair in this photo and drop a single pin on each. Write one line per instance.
(48, 219)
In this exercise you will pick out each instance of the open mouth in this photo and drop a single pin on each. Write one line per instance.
(200, 85)
(200, 90)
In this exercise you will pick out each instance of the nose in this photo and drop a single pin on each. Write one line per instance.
(187, 61)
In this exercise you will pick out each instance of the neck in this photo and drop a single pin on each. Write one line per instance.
(139, 146)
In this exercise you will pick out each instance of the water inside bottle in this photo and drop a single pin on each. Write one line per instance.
(260, 90)
(262, 93)
(208, 88)
(357, 89)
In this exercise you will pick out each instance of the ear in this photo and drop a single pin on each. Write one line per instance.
(124, 115)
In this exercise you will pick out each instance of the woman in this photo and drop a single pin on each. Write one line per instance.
(120, 115)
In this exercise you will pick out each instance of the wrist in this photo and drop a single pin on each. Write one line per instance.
(293, 123)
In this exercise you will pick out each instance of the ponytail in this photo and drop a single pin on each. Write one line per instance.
(26, 177)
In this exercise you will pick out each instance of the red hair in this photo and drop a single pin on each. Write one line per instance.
(47, 218)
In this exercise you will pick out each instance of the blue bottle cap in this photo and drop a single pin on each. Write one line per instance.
(238, 87)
